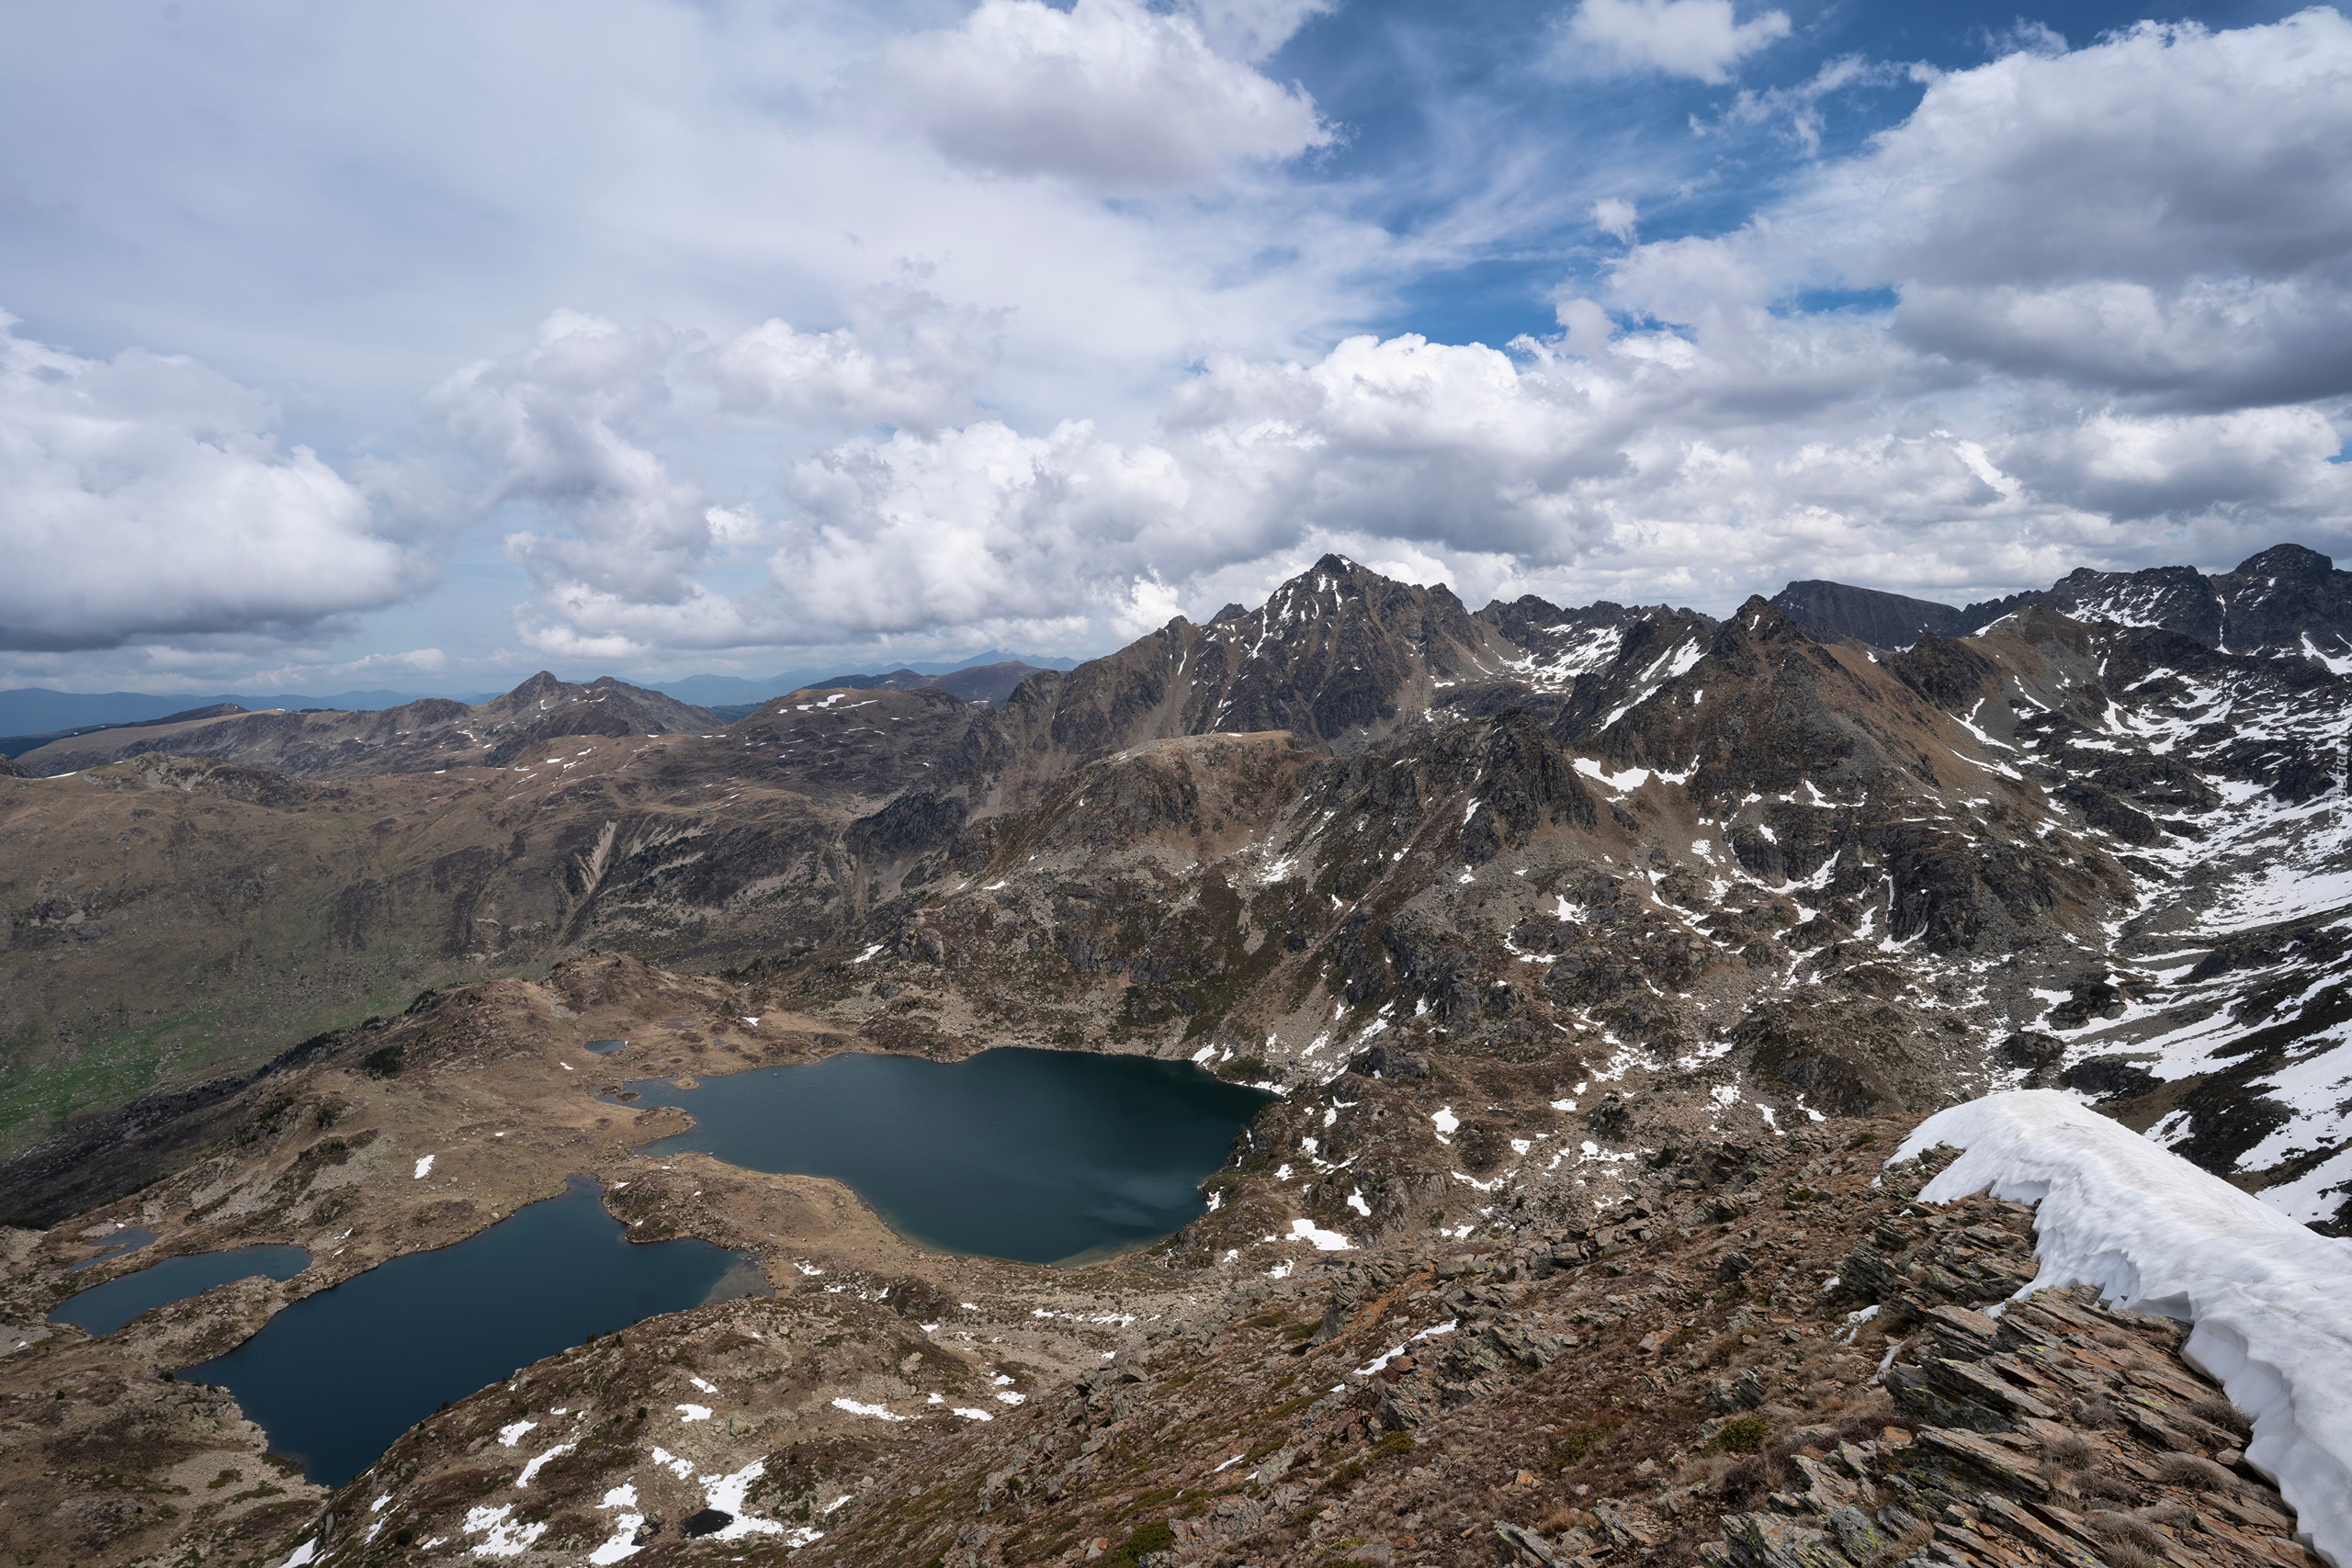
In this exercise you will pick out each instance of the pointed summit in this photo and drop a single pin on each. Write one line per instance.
(540, 688)
(1339, 654)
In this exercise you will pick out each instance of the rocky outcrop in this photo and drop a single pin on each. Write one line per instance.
(1832, 610)
(2287, 598)
(1763, 1359)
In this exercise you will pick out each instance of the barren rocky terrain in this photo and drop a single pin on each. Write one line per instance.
(1601, 956)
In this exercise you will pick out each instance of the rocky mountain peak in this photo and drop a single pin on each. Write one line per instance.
(540, 688)
(1764, 622)
(2287, 597)
(2291, 563)
(1868, 614)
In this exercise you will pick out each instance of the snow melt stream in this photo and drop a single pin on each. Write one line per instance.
(2270, 1300)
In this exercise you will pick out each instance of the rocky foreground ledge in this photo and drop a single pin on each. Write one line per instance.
(1777, 1352)
(1771, 1361)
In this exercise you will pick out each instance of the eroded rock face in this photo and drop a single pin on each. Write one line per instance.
(2272, 600)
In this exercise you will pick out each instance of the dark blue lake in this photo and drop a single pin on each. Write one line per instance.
(336, 1376)
(102, 1309)
(1040, 1156)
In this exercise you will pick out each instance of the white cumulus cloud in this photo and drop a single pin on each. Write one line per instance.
(145, 496)
(906, 358)
(1895, 375)
(573, 432)
(2166, 214)
(1699, 39)
(1106, 92)
(1253, 29)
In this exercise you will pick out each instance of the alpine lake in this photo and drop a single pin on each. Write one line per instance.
(1036, 1156)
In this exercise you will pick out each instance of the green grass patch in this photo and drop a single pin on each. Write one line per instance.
(41, 1090)
(1290, 1407)
(1742, 1435)
(1157, 1536)
(1579, 1441)
(1148, 1502)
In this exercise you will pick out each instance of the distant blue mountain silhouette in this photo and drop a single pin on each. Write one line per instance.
(38, 710)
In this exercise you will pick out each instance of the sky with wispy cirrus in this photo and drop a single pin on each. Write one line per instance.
(422, 346)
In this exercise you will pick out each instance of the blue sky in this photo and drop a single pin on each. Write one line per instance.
(425, 347)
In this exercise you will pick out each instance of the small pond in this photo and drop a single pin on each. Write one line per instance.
(336, 1376)
(102, 1309)
(127, 1239)
(1040, 1156)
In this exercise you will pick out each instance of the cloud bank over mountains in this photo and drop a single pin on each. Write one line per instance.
(2069, 306)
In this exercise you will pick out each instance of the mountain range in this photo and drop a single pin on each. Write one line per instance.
(1721, 836)
(1533, 913)
(32, 714)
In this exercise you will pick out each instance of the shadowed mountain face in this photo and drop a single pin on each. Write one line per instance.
(418, 737)
(2288, 598)
(1832, 610)
(990, 684)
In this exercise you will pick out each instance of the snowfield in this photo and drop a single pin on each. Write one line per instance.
(2271, 1302)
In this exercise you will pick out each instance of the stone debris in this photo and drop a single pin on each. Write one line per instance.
(1858, 1397)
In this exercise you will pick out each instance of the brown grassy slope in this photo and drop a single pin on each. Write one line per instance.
(163, 920)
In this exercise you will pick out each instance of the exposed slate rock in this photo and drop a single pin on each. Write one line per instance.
(1867, 615)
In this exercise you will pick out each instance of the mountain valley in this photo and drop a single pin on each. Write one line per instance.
(1599, 956)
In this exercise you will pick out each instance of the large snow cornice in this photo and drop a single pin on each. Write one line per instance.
(2271, 1302)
